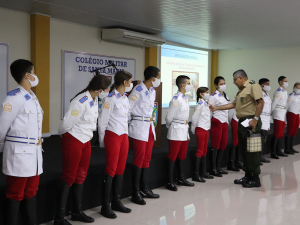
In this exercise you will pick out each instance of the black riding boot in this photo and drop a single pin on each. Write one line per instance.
(214, 171)
(196, 176)
(292, 145)
(11, 212)
(170, 167)
(28, 211)
(116, 203)
(181, 179)
(77, 212)
(219, 160)
(144, 190)
(136, 195)
(106, 209)
(278, 148)
(287, 144)
(231, 163)
(273, 147)
(203, 172)
(62, 198)
(238, 162)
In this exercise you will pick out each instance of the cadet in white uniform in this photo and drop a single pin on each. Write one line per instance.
(178, 134)
(77, 130)
(142, 130)
(265, 117)
(113, 131)
(200, 126)
(20, 141)
(293, 107)
(279, 116)
(219, 126)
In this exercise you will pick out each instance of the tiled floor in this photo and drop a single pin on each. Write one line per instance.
(220, 202)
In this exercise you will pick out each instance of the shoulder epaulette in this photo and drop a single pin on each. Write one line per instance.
(213, 94)
(111, 94)
(200, 102)
(176, 96)
(279, 89)
(13, 92)
(291, 94)
(139, 88)
(252, 82)
(83, 99)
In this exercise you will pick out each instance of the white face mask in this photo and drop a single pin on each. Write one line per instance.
(128, 89)
(35, 82)
(267, 88)
(285, 84)
(296, 90)
(222, 88)
(103, 94)
(206, 96)
(156, 83)
(188, 88)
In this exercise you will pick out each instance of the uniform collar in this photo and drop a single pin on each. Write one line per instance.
(219, 93)
(151, 89)
(90, 98)
(118, 95)
(180, 94)
(25, 93)
(281, 89)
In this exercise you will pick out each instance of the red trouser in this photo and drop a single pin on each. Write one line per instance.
(116, 150)
(279, 127)
(143, 150)
(177, 149)
(219, 134)
(202, 141)
(19, 188)
(76, 159)
(292, 124)
(234, 130)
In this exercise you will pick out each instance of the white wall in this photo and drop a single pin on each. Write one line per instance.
(75, 37)
(15, 31)
(261, 63)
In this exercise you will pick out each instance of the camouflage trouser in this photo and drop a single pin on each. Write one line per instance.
(251, 160)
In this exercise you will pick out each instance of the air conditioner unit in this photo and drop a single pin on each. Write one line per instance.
(131, 38)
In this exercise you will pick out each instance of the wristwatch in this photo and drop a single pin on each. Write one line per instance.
(256, 118)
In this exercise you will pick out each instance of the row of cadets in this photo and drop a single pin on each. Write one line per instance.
(178, 135)
(77, 130)
(219, 126)
(113, 134)
(21, 143)
(293, 108)
(142, 131)
(200, 126)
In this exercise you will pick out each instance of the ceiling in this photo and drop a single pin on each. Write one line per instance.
(208, 24)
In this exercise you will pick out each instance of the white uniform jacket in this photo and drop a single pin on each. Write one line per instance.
(218, 99)
(114, 115)
(81, 119)
(266, 113)
(141, 102)
(232, 115)
(21, 128)
(201, 117)
(177, 117)
(293, 104)
(279, 104)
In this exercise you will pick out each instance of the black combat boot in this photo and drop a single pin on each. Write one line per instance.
(181, 179)
(136, 195)
(62, 198)
(273, 147)
(11, 212)
(116, 203)
(231, 163)
(246, 178)
(144, 190)
(28, 211)
(214, 171)
(170, 167)
(219, 160)
(106, 210)
(196, 176)
(287, 144)
(253, 182)
(77, 212)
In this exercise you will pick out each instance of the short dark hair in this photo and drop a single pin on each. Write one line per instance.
(281, 78)
(263, 81)
(181, 80)
(19, 68)
(151, 71)
(240, 73)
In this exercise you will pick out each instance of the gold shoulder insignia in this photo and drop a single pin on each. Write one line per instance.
(252, 82)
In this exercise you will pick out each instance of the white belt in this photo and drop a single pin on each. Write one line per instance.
(141, 118)
(265, 114)
(179, 121)
(23, 140)
(280, 107)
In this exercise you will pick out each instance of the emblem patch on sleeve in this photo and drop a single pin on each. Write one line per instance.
(133, 98)
(74, 113)
(7, 107)
(106, 105)
(175, 103)
(198, 110)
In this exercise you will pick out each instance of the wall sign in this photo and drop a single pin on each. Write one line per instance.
(3, 71)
